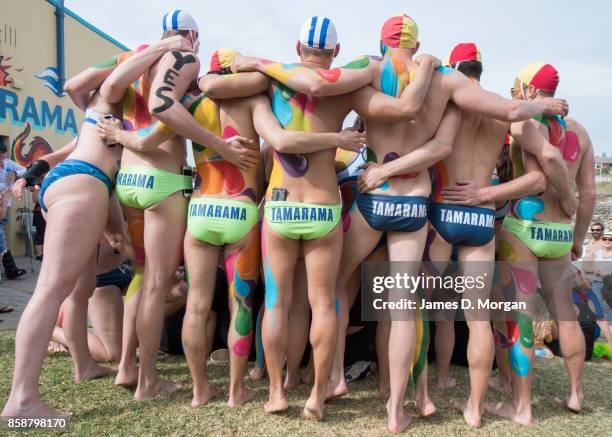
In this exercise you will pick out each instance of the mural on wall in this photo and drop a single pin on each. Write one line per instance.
(50, 78)
(5, 74)
(23, 153)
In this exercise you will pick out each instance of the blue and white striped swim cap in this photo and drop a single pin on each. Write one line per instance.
(178, 20)
(319, 33)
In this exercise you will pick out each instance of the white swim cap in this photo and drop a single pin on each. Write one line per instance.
(319, 33)
(178, 20)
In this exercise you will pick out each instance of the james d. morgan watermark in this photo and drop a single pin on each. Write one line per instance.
(472, 290)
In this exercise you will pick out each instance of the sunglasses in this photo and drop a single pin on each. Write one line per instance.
(606, 239)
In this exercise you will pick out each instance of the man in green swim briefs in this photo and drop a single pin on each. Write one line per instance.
(223, 214)
(151, 184)
(537, 242)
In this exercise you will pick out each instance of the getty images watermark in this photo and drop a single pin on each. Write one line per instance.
(463, 291)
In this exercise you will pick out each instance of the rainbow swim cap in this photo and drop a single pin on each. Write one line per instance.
(178, 20)
(541, 75)
(222, 59)
(467, 51)
(400, 32)
(319, 33)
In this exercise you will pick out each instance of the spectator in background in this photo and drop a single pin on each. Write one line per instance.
(40, 224)
(598, 264)
(9, 170)
(595, 243)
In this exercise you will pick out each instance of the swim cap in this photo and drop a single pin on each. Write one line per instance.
(178, 20)
(400, 32)
(542, 76)
(319, 33)
(467, 51)
(221, 59)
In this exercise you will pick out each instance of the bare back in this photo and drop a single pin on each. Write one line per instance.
(573, 142)
(171, 154)
(388, 141)
(309, 178)
(93, 149)
(225, 118)
(474, 155)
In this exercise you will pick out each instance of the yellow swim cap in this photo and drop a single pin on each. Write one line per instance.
(221, 59)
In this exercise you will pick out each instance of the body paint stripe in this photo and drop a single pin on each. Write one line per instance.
(313, 26)
(323, 36)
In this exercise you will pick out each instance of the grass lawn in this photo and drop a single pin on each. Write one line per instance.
(100, 408)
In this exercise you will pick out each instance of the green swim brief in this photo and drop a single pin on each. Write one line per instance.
(141, 186)
(543, 239)
(306, 221)
(220, 221)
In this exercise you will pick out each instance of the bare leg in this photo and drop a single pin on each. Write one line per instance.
(298, 328)
(106, 315)
(402, 339)
(201, 262)
(322, 258)
(556, 279)
(358, 242)
(439, 254)
(127, 372)
(444, 343)
(478, 261)
(258, 372)
(280, 257)
(520, 279)
(167, 218)
(382, 352)
(83, 210)
(127, 375)
(242, 267)
(75, 326)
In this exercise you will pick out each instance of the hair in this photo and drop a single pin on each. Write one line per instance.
(311, 51)
(169, 33)
(504, 165)
(600, 224)
(221, 71)
(359, 124)
(469, 68)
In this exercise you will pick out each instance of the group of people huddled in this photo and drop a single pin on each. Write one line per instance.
(435, 168)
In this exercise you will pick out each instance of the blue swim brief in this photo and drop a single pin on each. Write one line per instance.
(463, 225)
(119, 277)
(72, 167)
(393, 213)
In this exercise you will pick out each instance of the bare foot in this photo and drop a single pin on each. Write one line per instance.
(336, 390)
(312, 411)
(307, 376)
(398, 422)
(257, 373)
(500, 385)
(572, 403)
(471, 416)
(94, 372)
(507, 410)
(161, 387)
(291, 381)
(447, 383)
(56, 348)
(276, 404)
(384, 391)
(241, 396)
(36, 409)
(127, 376)
(201, 397)
(425, 408)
